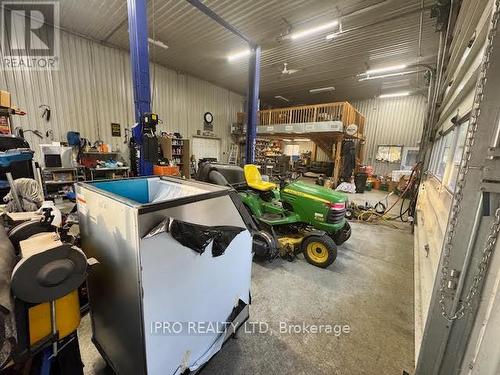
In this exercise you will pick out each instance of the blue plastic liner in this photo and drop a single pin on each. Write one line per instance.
(9, 156)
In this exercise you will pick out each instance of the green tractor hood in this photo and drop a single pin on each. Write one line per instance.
(315, 192)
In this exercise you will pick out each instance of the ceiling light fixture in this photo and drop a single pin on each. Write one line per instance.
(394, 95)
(157, 43)
(238, 55)
(321, 89)
(367, 78)
(385, 70)
(313, 30)
(331, 36)
(282, 98)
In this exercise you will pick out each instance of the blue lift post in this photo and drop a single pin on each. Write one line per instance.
(139, 58)
(252, 103)
(253, 78)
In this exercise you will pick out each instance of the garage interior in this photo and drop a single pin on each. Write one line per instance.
(250, 187)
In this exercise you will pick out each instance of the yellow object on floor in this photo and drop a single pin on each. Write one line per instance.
(67, 317)
(254, 179)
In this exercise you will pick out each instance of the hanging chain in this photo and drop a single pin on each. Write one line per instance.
(458, 196)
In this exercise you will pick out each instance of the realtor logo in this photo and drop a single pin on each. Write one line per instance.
(30, 35)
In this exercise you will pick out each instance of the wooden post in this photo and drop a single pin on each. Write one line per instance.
(269, 123)
(361, 150)
(314, 152)
(338, 160)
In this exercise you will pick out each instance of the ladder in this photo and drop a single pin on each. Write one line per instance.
(233, 154)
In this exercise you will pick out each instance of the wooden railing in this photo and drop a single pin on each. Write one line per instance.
(341, 111)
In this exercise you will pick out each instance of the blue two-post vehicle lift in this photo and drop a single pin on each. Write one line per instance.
(144, 131)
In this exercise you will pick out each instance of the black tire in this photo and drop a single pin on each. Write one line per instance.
(320, 251)
(27, 229)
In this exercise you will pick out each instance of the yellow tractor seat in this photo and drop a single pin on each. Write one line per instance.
(254, 179)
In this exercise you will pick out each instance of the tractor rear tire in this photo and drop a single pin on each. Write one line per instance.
(320, 251)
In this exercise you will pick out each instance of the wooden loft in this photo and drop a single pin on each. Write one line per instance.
(340, 111)
(325, 124)
(313, 117)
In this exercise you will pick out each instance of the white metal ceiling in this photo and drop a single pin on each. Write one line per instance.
(377, 33)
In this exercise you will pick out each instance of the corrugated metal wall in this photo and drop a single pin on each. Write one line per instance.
(391, 121)
(93, 88)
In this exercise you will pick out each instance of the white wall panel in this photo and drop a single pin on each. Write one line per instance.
(93, 88)
(309, 146)
(391, 121)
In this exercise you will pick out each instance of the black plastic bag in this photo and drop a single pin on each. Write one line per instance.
(198, 237)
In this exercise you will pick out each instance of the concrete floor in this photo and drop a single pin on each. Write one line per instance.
(369, 288)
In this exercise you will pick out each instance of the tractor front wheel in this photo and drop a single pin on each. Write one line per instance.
(320, 251)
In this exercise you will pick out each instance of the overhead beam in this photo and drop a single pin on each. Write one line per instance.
(221, 21)
(253, 78)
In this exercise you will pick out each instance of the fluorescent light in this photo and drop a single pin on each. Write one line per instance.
(331, 36)
(302, 140)
(388, 75)
(385, 70)
(238, 55)
(282, 98)
(157, 43)
(313, 30)
(395, 95)
(321, 89)
(286, 140)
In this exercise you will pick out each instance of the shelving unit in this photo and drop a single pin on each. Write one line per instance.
(56, 178)
(269, 156)
(177, 151)
(89, 159)
(108, 173)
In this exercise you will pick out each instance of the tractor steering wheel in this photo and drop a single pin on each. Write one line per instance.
(288, 178)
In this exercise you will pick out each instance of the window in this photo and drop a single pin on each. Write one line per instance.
(461, 135)
(292, 150)
(409, 158)
(444, 154)
(435, 156)
(388, 153)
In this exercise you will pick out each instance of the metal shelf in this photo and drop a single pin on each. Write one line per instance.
(60, 182)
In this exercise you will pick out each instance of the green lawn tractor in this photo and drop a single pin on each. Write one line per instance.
(288, 219)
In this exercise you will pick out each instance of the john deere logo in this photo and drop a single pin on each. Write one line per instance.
(30, 35)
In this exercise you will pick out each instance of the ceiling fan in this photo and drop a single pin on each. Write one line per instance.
(287, 71)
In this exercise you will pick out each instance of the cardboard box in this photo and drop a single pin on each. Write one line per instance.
(241, 117)
(5, 99)
(160, 170)
(166, 147)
